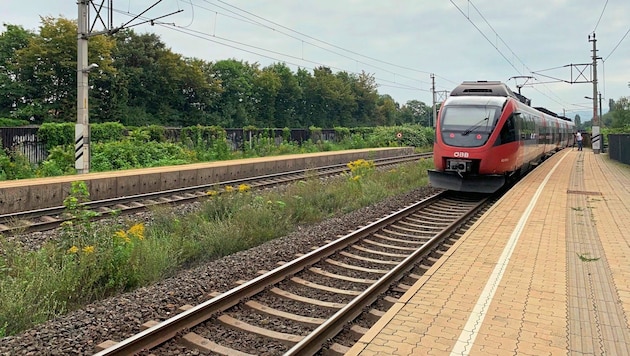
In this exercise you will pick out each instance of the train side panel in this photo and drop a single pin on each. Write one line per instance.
(477, 151)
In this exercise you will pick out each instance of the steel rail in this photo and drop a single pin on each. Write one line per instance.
(313, 342)
(169, 328)
(284, 177)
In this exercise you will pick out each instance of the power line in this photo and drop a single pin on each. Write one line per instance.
(484, 35)
(255, 22)
(322, 41)
(506, 45)
(218, 40)
(600, 16)
(617, 45)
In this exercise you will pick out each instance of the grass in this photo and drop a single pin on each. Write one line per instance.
(94, 261)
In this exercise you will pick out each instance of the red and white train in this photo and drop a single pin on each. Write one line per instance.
(486, 135)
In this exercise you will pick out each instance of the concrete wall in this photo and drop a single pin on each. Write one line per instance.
(32, 194)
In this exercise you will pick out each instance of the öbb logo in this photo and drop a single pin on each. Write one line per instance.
(461, 154)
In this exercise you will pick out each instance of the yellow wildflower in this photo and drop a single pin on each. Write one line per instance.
(229, 188)
(244, 188)
(122, 235)
(137, 230)
(212, 193)
(88, 249)
(73, 249)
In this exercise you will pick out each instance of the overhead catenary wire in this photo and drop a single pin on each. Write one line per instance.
(234, 44)
(246, 19)
(330, 44)
(467, 16)
(617, 45)
(600, 17)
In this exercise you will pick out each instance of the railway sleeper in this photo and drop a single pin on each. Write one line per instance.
(264, 309)
(285, 338)
(198, 342)
(336, 350)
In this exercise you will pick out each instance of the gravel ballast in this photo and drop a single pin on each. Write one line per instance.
(117, 318)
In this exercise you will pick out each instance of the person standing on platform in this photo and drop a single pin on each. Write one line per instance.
(578, 138)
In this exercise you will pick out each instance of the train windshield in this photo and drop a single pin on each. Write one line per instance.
(468, 125)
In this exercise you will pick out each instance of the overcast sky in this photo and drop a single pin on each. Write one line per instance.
(400, 42)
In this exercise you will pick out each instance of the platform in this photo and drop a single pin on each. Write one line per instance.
(546, 271)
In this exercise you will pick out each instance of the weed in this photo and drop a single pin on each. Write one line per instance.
(584, 258)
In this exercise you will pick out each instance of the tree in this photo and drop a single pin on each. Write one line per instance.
(333, 101)
(159, 86)
(416, 112)
(577, 120)
(621, 114)
(364, 87)
(386, 111)
(287, 98)
(12, 91)
(236, 101)
(48, 70)
(267, 85)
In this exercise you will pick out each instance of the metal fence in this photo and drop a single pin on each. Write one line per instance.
(23, 140)
(619, 147)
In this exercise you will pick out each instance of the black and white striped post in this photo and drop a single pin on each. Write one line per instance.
(82, 128)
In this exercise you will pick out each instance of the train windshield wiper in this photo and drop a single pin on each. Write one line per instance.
(475, 126)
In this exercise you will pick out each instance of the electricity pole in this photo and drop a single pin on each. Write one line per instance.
(82, 130)
(434, 117)
(595, 137)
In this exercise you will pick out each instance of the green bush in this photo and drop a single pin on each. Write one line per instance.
(54, 134)
(60, 161)
(156, 133)
(135, 153)
(6, 122)
(106, 132)
(410, 135)
(14, 165)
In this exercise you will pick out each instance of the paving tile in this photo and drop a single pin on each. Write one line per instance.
(551, 300)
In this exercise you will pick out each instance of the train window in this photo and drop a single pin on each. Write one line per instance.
(464, 116)
(508, 132)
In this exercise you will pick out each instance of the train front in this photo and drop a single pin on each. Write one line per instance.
(463, 148)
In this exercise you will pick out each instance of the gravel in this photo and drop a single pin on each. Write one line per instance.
(116, 318)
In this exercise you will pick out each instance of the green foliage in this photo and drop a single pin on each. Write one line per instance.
(94, 261)
(286, 134)
(6, 122)
(341, 133)
(14, 165)
(106, 132)
(316, 133)
(208, 142)
(412, 135)
(156, 133)
(56, 134)
(60, 161)
(136, 152)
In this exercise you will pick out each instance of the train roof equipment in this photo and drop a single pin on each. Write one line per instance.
(488, 88)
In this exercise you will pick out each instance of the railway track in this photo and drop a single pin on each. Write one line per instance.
(52, 217)
(323, 300)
